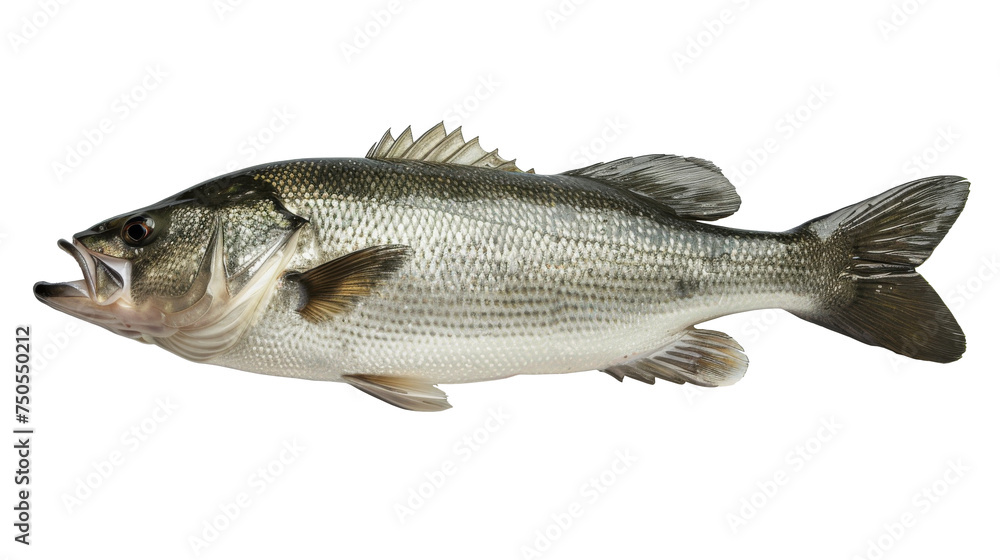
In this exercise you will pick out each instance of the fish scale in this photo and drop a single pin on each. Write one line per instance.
(502, 294)
(432, 261)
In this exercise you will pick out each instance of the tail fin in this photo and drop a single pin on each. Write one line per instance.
(888, 236)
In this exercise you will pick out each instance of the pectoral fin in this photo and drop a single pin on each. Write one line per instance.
(336, 286)
(404, 392)
(699, 356)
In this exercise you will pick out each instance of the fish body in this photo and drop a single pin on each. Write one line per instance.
(511, 273)
(431, 261)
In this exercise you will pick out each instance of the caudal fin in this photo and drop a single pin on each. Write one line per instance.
(888, 303)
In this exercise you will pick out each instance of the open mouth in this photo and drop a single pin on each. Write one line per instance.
(104, 278)
(105, 282)
(76, 288)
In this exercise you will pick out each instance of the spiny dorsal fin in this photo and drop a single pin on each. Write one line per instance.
(438, 145)
(699, 356)
(405, 392)
(693, 188)
(334, 287)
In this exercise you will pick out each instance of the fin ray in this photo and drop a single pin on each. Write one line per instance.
(335, 286)
(438, 145)
(699, 356)
(693, 188)
(405, 392)
(886, 302)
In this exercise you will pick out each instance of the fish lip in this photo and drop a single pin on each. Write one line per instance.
(90, 265)
(84, 260)
(76, 288)
(81, 298)
(47, 290)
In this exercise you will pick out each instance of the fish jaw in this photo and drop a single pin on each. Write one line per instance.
(102, 296)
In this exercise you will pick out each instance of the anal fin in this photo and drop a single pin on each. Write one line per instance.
(700, 357)
(405, 392)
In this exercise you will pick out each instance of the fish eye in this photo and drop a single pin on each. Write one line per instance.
(137, 230)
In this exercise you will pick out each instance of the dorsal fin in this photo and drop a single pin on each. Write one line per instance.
(693, 188)
(438, 145)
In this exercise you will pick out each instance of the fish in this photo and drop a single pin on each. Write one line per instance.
(432, 261)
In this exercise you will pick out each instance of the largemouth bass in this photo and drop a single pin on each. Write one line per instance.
(432, 262)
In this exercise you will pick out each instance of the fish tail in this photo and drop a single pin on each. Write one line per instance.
(880, 298)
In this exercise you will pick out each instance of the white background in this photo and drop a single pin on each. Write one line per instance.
(926, 89)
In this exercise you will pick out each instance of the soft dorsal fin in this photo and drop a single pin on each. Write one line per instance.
(405, 392)
(441, 146)
(335, 286)
(698, 356)
(693, 188)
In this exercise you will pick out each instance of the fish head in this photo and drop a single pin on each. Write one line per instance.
(189, 263)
